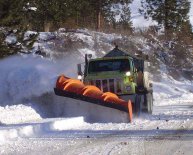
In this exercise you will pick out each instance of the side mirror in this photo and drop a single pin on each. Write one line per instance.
(79, 69)
(135, 70)
(89, 56)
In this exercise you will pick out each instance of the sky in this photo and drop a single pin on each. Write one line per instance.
(191, 12)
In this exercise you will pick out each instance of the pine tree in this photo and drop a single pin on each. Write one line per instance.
(126, 18)
(172, 15)
(103, 8)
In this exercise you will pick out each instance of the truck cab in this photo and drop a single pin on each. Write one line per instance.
(121, 73)
(110, 74)
(116, 72)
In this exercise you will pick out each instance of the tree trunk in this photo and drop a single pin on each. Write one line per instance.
(98, 16)
(47, 26)
(166, 20)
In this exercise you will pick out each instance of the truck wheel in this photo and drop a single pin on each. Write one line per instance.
(137, 105)
(146, 81)
(149, 101)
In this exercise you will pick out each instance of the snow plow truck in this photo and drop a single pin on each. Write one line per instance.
(114, 86)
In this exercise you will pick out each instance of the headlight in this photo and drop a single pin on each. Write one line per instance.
(79, 77)
(128, 73)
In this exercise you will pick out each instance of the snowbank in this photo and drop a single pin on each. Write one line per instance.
(18, 114)
(168, 91)
(11, 39)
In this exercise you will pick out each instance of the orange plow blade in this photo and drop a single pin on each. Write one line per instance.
(72, 88)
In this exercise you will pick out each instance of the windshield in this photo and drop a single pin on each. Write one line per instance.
(109, 65)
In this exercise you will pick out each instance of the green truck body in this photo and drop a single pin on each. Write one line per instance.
(120, 73)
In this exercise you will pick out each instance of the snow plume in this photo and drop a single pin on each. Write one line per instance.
(31, 76)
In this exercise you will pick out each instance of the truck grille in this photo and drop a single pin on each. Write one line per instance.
(112, 85)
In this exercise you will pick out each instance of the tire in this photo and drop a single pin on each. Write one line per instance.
(149, 102)
(143, 83)
(146, 80)
(137, 105)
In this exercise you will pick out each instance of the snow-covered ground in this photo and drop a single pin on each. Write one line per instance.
(74, 136)
(168, 91)
(28, 108)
